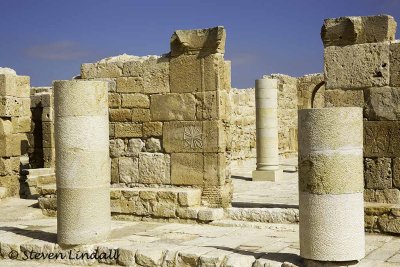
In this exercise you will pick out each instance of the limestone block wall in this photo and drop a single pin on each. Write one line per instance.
(169, 115)
(15, 123)
(243, 124)
(287, 114)
(362, 69)
(41, 136)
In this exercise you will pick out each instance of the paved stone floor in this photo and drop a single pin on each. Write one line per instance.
(235, 243)
(251, 194)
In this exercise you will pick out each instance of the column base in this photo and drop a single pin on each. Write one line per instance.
(269, 175)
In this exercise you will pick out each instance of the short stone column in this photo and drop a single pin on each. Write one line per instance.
(331, 184)
(82, 161)
(267, 131)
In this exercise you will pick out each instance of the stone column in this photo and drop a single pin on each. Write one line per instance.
(267, 131)
(82, 161)
(331, 184)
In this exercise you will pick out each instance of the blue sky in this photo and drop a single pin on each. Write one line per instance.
(49, 39)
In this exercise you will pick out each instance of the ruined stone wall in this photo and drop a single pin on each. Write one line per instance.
(243, 124)
(362, 69)
(168, 115)
(15, 123)
(41, 137)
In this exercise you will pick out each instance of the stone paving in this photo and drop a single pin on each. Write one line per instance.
(223, 243)
(249, 194)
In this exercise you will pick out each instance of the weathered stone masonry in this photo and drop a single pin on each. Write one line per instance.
(168, 115)
(15, 123)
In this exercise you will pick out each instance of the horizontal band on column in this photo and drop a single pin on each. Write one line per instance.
(267, 103)
(330, 128)
(331, 174)
(266, 93)
(332, 227)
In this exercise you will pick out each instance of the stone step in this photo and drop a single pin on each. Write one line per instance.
(38, 172)
(264, 215)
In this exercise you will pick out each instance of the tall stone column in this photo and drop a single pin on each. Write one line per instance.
(331, 184)
(82, 161)
(267, 131)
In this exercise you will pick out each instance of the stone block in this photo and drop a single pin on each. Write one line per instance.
(23, 84)
(101, 70)
(154, 168)
(130, 85)
(11, 182)
(112, 85)
(49, 156)
(6, 127)
(214, 168)
(187, 168)
(48, 140)
(389, 225)
(8, 85)
(25, 106)
(206, 136)
(47, 114)
(210, 214)
(128, 130)
(135, 146)
(114, 171)
(212, 105)
(344, 98)
(172, 107)
(369, 195)
(114, 100)
(189, 197)
(164, 210)
(9, 106)
(378, 173)
(154, 72)
(9, 166)
(117, 148)
(187, 213)
(111, 130)
(120, 115)
(227, 84)
(153, 145)
(185, 74)
(10, 145)
(357, 30)
(396, 172)
(391, 196)
(128, 170)
(382, 103)
(140, 114)
(208, 41)
(21, 124)
(135, 101)
(395, 63)
(152, 129)
(357, 66)
(213, 72)
(214, 136)
(381, 139)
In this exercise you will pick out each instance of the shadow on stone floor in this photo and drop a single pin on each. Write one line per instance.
(263, 205)
(32, 233)
(241, 177)
(273, 256)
